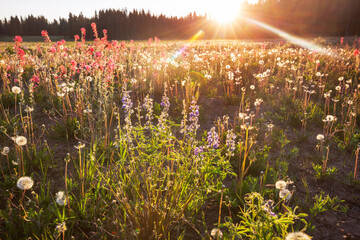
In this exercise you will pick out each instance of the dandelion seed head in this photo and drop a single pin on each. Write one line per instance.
(320, 137)
(280, 184)
(216, 232)
(16, 90)
(25, 183)
(21, 140)
(284, 193)
(5, 151)
(297, 236)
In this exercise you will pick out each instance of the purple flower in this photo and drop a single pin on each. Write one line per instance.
(198, 150)
(213, 138)
(194, 117)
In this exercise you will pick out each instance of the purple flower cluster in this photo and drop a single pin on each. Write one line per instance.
(213, 138)
(164, 113)
(193, 117)
(126, 101)
(268, 207)
(148, 105)
(198, 150)
(165, 103)
(230, 142)
(127, 106)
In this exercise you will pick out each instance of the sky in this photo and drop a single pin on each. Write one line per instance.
(52, 9)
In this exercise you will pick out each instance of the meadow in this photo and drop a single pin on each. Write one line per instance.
(201, 139)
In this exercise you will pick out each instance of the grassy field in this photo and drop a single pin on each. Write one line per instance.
(179, 140)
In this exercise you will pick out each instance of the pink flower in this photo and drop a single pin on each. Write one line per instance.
(18, 39)
(35, 80)
(356, 52)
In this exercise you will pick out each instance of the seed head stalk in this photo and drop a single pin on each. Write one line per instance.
(243, 170)
(356, 162)
(325, 160)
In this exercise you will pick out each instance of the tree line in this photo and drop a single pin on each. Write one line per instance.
(300, 17)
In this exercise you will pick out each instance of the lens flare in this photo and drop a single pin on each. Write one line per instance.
(296, 40)
(196, 36)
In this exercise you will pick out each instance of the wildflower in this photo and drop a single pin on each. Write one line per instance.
(29, 109)
(297, 236)
(126, 102)
(183, 127)
(329, 118)
(280, 184)
(20, 140)
(198, 150)
(148, 105)
(230, 142)
(16, 90)
(193, 117)
(127, 106)
(5, 151)
(61, 227)
(60, 198)
(25, 183)
(164, 113)
(284, 193)
(80, 145)
(213, 138)
(165, 103)
(270, 126)
(242, 115)
(320, 137)
(268, 206)
(60, 94)
(87, 110)
(216, 232)
(257, 102)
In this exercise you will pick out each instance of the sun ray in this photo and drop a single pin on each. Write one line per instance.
(296, 40)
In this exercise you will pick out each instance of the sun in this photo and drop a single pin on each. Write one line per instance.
(225, 11)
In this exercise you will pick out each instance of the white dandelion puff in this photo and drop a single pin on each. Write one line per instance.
(320, 137)
(5, 151)
(25, 183)
(284, 193)
(297, 236)
(16, 90)
(280, 184)
(21, 140)
(216, 232)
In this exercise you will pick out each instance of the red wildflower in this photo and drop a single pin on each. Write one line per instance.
(18, 39)
(35, 80)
